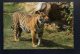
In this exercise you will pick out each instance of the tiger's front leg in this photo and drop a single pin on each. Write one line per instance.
(39, 36)
(40, 39)
(33, 34)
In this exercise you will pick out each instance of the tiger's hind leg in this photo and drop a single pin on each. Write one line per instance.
(17, 33)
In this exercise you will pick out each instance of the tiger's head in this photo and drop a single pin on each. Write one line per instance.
(43, 18)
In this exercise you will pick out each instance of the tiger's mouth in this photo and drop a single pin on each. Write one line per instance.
(47, 21)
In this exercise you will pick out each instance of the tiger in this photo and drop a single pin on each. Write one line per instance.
(33, 23)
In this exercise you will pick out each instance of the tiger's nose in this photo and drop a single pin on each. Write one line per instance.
(47, 19)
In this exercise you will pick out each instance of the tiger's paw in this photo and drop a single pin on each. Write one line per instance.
(16, 40)
(34, 45)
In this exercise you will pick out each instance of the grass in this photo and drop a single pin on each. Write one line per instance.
(54, 40)
(9, 8)
(51, 40)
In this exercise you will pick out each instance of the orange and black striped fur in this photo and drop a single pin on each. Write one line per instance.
(33, 23)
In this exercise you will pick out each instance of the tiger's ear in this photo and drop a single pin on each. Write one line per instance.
(41, 13)
(37, 12)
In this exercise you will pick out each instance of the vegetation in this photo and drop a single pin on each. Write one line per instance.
(51, 39)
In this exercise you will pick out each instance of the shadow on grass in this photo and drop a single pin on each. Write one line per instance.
(25, 39)
(48, 43)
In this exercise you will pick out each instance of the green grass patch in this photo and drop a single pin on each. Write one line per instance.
(9, 7)
(53, 40)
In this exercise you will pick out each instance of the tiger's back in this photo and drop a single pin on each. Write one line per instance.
(33, 23)
(25, 20)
